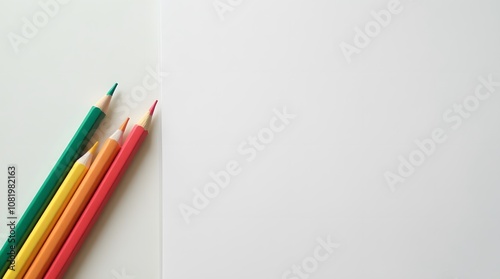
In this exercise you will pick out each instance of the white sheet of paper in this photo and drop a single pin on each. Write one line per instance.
(235, 65)
(47, 88)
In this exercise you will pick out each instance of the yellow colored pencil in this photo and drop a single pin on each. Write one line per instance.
(50, 216)
(77, 204)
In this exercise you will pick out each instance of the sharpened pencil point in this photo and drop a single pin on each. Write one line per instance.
(94, 148)
(112, 90)
(152, 109)
(124, 125)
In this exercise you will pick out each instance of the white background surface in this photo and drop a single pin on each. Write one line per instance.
(324, 174)
(47, 88)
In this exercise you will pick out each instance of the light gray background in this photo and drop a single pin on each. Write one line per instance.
(324, 174)
(54, 79)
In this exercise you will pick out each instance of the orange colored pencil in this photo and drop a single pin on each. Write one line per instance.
(101, 196)
(76, 205)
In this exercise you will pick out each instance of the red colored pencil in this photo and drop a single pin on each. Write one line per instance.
(100, 198)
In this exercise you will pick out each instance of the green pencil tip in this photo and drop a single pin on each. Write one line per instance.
(112, 90)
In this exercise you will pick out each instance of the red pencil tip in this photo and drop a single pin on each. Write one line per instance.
(152, 109)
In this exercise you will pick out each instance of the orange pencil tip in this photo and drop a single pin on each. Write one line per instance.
(152, 109)
(124, 124)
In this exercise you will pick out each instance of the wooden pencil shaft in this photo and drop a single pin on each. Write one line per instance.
(97, 203)
(74, 209)
(51, 184)
(48, 219)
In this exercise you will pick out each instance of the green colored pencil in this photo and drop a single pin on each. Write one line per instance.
(48, 189)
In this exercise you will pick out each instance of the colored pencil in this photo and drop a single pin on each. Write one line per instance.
(49, 217)
(49, 187)
(77, 204)
(101, 196)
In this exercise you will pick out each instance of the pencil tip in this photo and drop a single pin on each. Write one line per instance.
(94, 148)
(112, 90)
(124, 125)
(152, 109)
